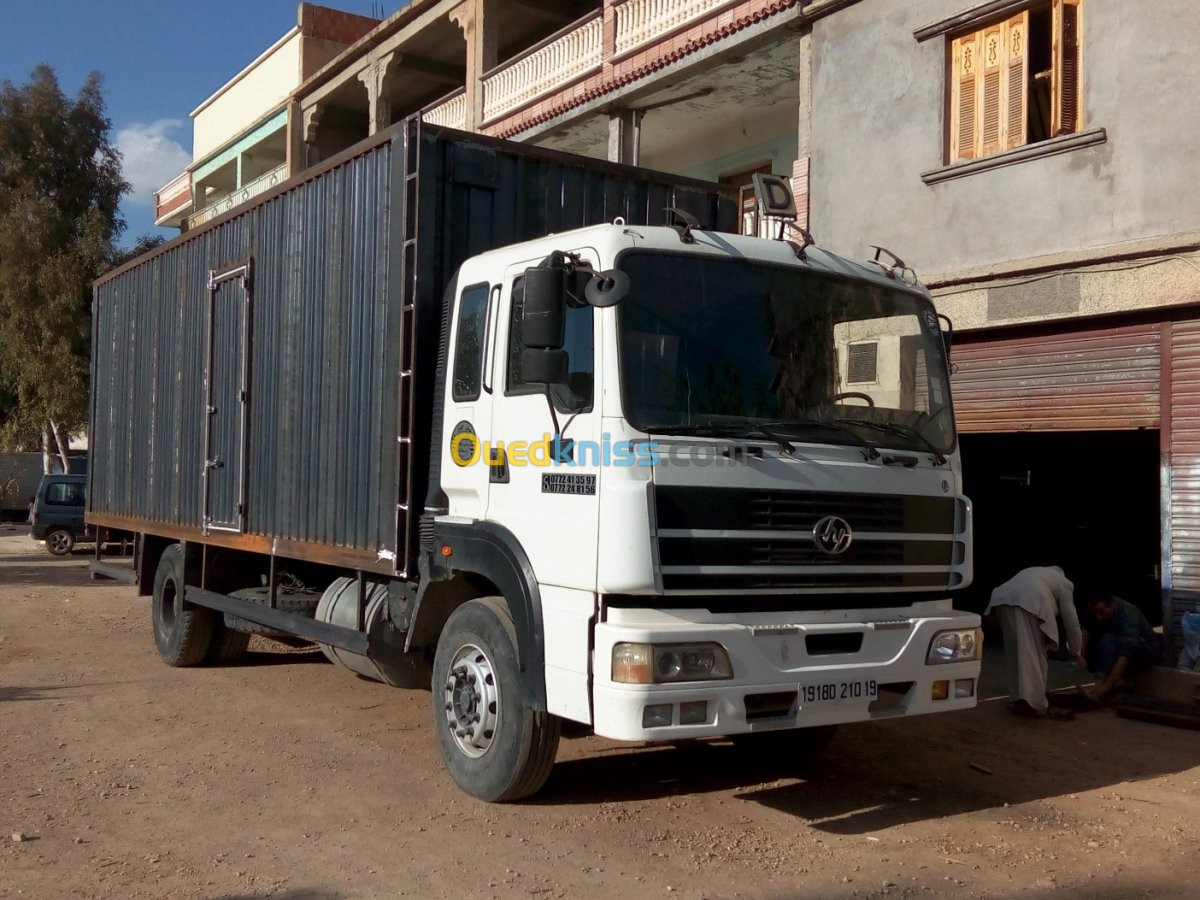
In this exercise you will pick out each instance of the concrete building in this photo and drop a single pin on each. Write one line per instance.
(705, 88)
(1026, 157)
(239, 141)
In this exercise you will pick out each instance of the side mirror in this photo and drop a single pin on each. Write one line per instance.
(607, 288)
(543, 321)
(947, 334)
(542, 366)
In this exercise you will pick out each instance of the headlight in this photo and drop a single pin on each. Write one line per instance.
(955, 646)
(667, 663)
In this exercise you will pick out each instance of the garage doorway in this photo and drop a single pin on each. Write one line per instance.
(1089, 501)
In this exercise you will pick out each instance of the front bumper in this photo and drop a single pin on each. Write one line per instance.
(778, 681)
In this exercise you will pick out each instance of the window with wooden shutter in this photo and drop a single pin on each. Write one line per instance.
(1068, 50)
(963, 124)
(1016, 81)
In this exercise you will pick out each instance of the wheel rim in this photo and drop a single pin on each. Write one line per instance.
(60, 542)
(472, 701)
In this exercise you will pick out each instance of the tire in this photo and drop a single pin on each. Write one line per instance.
(60, 541)
(477, 683)
(183, 633)
(227, 646)
(302, 604)
(797, 744)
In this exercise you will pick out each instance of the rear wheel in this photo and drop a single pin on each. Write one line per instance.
(60, 541)
(493, 746)
(182, 632)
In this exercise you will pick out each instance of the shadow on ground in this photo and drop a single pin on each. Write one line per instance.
(46, 692)
(879, 774)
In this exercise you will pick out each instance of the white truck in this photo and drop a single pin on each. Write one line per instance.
(662, 480)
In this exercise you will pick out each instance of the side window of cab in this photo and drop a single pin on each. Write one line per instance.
(469, 343)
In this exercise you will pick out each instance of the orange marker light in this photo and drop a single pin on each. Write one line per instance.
(447, 550)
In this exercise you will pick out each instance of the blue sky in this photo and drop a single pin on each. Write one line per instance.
(159, 59)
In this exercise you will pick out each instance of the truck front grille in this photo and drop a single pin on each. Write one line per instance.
(730, 539)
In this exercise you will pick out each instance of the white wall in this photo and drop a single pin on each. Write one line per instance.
(259, 89)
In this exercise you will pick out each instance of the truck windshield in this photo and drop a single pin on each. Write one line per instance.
(713, 346)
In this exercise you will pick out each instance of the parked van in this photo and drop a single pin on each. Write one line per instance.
(58, 513)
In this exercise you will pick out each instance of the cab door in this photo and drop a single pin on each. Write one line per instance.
(543, 491)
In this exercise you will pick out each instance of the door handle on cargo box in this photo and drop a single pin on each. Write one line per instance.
(217, 463)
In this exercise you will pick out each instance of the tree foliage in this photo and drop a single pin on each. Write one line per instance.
(60, 185)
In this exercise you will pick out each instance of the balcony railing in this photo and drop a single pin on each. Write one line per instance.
(451, 112)
(642, 21)
(562, 58)
(250, 189)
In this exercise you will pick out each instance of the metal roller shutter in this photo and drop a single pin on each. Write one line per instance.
(1080, 381)
(1182, 591)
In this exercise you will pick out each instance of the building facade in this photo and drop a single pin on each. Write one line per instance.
(705, 88)
(1027, 158)
(239, 134)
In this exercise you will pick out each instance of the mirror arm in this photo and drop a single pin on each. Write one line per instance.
(553, 411)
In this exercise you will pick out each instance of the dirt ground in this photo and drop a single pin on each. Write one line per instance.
(284, 776)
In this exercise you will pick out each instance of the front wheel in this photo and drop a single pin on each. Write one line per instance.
(60, 542)
(494, 747)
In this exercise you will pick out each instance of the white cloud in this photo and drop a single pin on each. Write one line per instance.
(150, 158)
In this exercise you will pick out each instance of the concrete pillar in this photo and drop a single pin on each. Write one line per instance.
(625, 136)
(294, 150)
(480, 24)
(374, 79)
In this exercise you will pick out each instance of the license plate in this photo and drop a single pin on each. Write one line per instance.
(838, 691)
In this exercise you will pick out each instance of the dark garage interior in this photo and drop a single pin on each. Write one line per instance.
(1088, 501)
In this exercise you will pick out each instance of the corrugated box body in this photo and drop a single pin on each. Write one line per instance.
(328, 320)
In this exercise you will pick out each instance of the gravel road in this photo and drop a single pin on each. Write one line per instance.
(284, 776)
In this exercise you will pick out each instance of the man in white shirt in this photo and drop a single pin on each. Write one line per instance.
(1027, 607)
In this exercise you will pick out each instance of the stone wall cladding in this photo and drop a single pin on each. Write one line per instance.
(645, 61)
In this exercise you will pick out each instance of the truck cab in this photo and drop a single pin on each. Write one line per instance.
(736, 485)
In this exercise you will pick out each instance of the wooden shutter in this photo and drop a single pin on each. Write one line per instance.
(964, 91)
(1068, 47)
(990, 101)
(1017, 86)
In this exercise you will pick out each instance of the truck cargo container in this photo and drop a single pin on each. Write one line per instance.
(543, 434)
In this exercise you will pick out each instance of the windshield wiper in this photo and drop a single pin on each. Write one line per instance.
(770, 430)
(939, 458)
(699, 429)
(869, 449)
